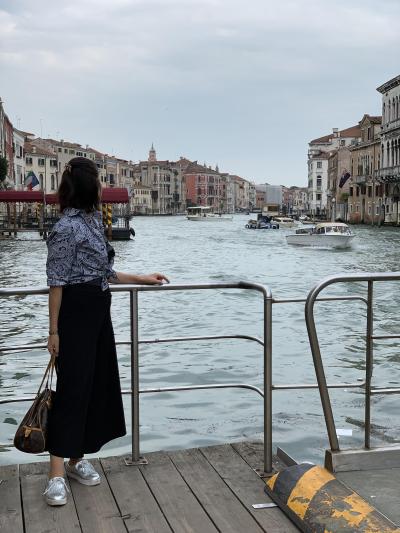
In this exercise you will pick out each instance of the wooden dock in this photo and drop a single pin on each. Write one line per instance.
(201, 490)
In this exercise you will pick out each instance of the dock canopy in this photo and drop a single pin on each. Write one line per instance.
(108, 196)
(111, 195)
(21, 196)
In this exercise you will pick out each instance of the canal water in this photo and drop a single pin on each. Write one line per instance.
(191, 252)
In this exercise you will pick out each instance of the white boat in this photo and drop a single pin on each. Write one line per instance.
(204, 214)
(285, 222)
(325, 235)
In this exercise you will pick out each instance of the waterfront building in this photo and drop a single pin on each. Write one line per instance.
(339, 164)
(205, 187)
(42, 162)
(318, 155)
(166, 178)
(7, 132)
(389, 171)
(260, 195)
(365, 200)
(141, 200)
(19, 159)
(294, 200)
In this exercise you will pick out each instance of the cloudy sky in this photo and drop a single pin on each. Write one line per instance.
(242, 83)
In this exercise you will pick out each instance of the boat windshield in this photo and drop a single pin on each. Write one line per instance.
(344, 230)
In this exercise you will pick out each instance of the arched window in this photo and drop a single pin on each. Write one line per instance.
(41, 181)
(53, 182)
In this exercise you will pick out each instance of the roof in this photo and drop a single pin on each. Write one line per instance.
(385, 87)
(21, 196)
(330, 224)
(39, 150)
(195, 168)
(353, 131)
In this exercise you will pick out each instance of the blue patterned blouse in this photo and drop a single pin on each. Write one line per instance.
(78, 250)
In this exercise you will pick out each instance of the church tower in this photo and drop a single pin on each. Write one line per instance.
(152, 153)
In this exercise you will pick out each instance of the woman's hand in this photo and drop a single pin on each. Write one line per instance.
(154, 279)
(53, 344)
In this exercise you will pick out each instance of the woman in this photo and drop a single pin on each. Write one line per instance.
(87, 410)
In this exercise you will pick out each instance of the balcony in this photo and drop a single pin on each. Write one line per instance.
(388, 174)
(361, 180)
(392, 125)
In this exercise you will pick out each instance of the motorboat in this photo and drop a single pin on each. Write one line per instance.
(262, 222)
(326, 235)
(205, 214)
(285, 222)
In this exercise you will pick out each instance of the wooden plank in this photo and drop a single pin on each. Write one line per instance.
(224, 509)
(10, 500)
(178, 504)
(96, 507)
(253, 453)
(39, 516)
(137, 505)
(247, 486)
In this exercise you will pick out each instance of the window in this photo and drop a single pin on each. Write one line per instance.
(65, 151)
(60, 149)
(319, 164)
(319, 182)
(351, 208)
(369, 191)
(41, 181)
(377, 210)
(357, 208)
(53, 182)
(72, 152)
(318, 196)
(351, 191)
(79, 154)
(41, 162)
(53, 162)
(369, 209)
(357, 191)
(342, 142)
(28, 160)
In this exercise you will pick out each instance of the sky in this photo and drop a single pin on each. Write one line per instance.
(244, 84)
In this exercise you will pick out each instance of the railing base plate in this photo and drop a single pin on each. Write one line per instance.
(142, 461)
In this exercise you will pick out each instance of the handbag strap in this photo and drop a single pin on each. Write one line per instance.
(49, 370)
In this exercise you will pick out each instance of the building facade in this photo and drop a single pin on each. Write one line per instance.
(206, 187)
(318, 155)
(365, 201)
(389, 171)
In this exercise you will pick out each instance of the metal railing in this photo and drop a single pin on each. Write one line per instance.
(265, 342)
(370, 278)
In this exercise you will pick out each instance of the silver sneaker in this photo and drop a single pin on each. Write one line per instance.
(83, 472)
(56, 491)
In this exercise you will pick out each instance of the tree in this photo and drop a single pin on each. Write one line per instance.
(3, 169)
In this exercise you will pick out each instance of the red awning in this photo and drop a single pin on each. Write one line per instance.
(21, 196)
(51, 199)
(108, 195)
(111, 195)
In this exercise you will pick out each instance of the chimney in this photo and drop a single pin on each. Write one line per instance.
(335, 132)
(33, 149)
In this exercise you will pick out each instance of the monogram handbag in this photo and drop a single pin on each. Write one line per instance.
(31, 435)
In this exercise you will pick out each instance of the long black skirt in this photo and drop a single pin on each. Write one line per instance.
(87, 410)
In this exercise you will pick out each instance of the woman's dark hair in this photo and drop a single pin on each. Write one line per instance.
(80, 185)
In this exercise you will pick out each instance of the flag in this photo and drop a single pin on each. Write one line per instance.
(31, 180)
(344, 178)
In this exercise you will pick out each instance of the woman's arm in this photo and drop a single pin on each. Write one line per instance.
(55, 296)
(139, 279)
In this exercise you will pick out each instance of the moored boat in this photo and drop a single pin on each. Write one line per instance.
(204, 214)
(325, 235)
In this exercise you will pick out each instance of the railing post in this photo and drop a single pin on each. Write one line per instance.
(134, 329)
(369, 363)
(267, 383)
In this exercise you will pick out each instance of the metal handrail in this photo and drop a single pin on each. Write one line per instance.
(266, 342)
(370, 278)
(134, 346)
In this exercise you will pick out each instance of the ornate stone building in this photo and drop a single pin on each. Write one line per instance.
(389, 172)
